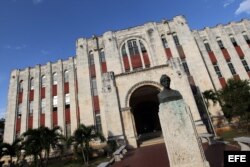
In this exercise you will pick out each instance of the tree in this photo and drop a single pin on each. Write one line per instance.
(11, 150)
(234, 99)
(81, 139)
(210, 95)
(39, 140)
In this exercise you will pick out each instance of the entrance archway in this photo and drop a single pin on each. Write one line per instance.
(145, 107)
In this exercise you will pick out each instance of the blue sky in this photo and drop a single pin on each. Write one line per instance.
(37, 31)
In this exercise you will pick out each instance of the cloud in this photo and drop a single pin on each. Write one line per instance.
(37, 1)
(227, 3)
(15, 47)
(243, 8)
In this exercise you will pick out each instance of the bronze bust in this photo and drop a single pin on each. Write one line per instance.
(168, 94)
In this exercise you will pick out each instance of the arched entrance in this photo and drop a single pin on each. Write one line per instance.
(145, 107)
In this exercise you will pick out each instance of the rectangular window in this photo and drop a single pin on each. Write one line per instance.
(91, 59)
(217, 70)
(43, 106)
(67, 99)
(233, 41)
(68, 130)
(246, 39)
(132, 47)
(54, 101)
(32, 84)
(94, 87)
(102, 57)
(220, 44)
(207, 47)
(98, 122)
(231, 67)
(185, 66)
(244, 62)
(164, 42)
(19, 110)
(143, 49)
(21, 87)
(31, 108)
(176, 40)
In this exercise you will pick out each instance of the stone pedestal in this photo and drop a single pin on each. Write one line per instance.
(183, 146)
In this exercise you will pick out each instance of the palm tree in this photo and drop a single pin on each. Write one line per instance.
(42, 139)
(33, 144)
(11, 150)
(81, 139)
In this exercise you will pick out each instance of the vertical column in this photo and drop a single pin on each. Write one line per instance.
(48, 99)
(37, 82)
(84, 92)
(128, 127)
(11, 108)
(73, 99)
(111, 106)
(140, 53)
(60, 95)
(113, 59)
(128, 57)
(24, 117)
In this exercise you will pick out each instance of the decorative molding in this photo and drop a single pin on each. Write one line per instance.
(138, 85)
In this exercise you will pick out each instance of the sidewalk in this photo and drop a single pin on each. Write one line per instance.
(156, 156)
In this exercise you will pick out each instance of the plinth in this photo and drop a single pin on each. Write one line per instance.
(183, 146)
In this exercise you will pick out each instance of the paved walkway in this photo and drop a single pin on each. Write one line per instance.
(156, 156)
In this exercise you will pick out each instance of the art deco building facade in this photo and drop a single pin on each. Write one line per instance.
(113, 80)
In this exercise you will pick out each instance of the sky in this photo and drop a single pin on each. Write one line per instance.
(38, 31)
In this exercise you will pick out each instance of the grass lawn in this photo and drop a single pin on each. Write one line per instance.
(72, 163)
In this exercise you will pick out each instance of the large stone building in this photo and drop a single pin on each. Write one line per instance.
(113, 80)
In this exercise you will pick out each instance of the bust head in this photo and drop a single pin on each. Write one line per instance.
(165, 81)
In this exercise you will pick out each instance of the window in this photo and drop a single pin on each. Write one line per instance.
(98, 123)
(102, 56)
(94, 87)
(43, 106)
(185, 66)
(246, 37)
(143, 49)
(231, 67)
(220, 43)
(164, 41)
(67, 99)
(19, 110)
(21, 86)
(68, 130)
(207, 46)
(43, 81)
(66, 76)
(31, 108)
(31, 83)
(233, 40)
(124, 53)
(55, 101)
(217, 70)
(91, 58)
(176, 40)
(244, 62)
(132, 47)
(54, 78)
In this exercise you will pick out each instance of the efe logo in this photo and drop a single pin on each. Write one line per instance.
(236, 158)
